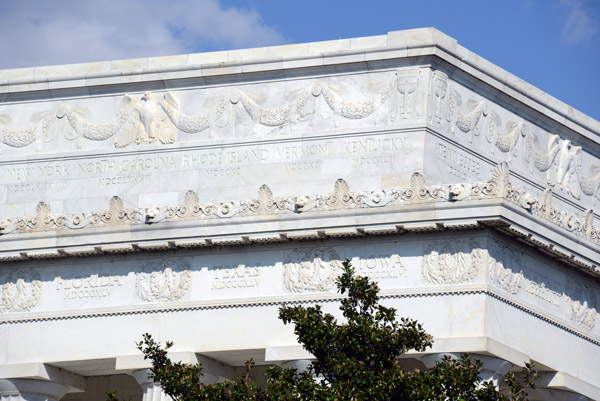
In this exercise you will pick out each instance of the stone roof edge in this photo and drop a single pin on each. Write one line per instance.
(496, 223)
(396, 44)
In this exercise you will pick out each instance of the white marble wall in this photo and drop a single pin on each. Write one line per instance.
(142, 195)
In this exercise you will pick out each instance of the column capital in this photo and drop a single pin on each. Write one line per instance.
(301, 365)
(152, 390)
(431, 359)
(32, 390)
(493, 368)
(543, 394)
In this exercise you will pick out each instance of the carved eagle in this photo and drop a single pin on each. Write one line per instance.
(563, 165)
(143, 121)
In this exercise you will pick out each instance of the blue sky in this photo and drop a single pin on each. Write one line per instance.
(552, 44)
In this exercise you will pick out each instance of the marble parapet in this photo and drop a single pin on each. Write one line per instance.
(129, 159)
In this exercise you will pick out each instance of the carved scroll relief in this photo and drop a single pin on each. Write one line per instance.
(265, 203)
(452, 261)
(311, 270)
(165, 280)
(498, 186)
(20, 290)
(45, 220)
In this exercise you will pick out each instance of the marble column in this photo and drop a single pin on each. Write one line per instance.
(152, 390)
(494, 369)
(31, 390)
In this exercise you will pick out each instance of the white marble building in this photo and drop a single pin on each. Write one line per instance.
(190, 196)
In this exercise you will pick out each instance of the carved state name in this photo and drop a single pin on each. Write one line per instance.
(232, 277)
(130, 170)
(94, 286)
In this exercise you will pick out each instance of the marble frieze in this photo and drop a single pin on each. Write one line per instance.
(413, 266)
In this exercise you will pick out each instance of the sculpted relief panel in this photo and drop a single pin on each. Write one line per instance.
(374, 100)
(581, 303)
(20, 290)
(520, 276)
(498, 186)
(452, 261)
(539, 282)
(315, 270)
(312, 270)
(96, 285)
(164, 280)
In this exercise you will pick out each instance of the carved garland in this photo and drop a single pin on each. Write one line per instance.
(502, 267)
(581, 303)
(152, 118)
(498, 186)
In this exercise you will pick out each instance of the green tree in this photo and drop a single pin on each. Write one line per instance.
(356, 359)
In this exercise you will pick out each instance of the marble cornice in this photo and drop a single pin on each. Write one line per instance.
(423, 208)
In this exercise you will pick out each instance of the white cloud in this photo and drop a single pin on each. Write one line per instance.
(580, 26)
(40, 32)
